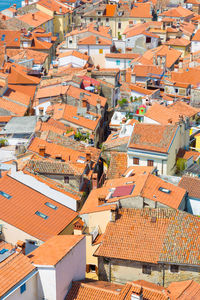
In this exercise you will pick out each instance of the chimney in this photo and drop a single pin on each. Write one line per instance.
(42, 149)
(135, 296)
(84, 103)
(15, 5)
(14, 167)
(78, 227)
(88, 156)
(113, 215)
(21, 246)
(33, 16)
(41, 110)
(3, 17)
(169, 121)
(123, 120)
(60, 9)
(94, 181)
(101, 199)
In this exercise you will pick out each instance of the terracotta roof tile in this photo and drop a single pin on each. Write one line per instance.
(152, 137)
(20, 210)
(13, 269)
(184, 290)
(54, 249)
(93, 40)
(141, 10)
(177, 12)
(118, 165)
(35, 19)
(10, 37)
(192, 186)
(152, 235)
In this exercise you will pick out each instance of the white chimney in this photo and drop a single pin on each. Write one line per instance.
(136, 297)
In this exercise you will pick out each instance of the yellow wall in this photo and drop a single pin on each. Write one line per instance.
(197, 146)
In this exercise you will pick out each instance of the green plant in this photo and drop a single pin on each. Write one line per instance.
(119, 36)
(3, 142)
(122, 102)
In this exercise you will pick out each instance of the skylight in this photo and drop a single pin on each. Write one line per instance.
(2, 251)
(76, 118)
(5, 195)
(166, 191)
(38, 213)
(51, 205)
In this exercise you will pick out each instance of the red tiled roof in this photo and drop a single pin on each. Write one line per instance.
(20, 210)
(152, 137)
(54, 249)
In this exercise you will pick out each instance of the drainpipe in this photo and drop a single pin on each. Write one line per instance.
(163, 277)
(109, 271)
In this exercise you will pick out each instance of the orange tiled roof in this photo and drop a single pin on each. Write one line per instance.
(53, 150)
(151, 191)
(192, 185)
(35, 19)
(141, 10)
(110, 10)
(152, 137)
(69, 113)
(162, 114)
(184, 290)
(13, 269)
(20, 210)
(177, 12)
(18, 75)
(10, 37)
(183, 109)
(15, 108)
(118, 165)
(52, 125)
(74, 53)
(153, 236)
(178, 42)
(20, 54)
(54, 6)
(54, 249)
(93, 40)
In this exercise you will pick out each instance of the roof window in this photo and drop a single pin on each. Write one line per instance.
(74, 117)
(3, 251)
(51, 205)
(166, 191)
(3, 37)
(38, 213)
(5, 195)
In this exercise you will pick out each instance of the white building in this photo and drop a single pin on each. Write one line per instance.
(195, 43)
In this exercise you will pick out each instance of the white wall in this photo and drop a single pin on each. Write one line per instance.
(55, 281)
(75, 61)
(47, 282)
(12, 234)
(31, 292)
(159, 161)
(112, 63)
(71, 267)
(195, 46)
(149, 120)
(45, 105)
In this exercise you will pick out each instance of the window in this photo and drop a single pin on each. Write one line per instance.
(38, 213)
(91, 268)
(51, 205)
(174, 268)
(22, 288)
(148, 40)
(100, 51)
(118, 62)
(176, 91)
(135, 161)
(91, 19)
(5, 195)
(107, 19)
(70, 41)
(66, 179)
(146, 269)
(150, 163)
(119, 25)
(166, 191)
(99, 19)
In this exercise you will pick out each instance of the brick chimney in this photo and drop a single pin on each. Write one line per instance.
(101, 199)
(88, 156)
(33, 16)
(42, 149)
(21, 246)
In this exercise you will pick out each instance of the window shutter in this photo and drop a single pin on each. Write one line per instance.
(87, 268)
